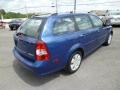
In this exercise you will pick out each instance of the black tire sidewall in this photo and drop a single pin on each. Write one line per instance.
(108, 39)
(69, 62)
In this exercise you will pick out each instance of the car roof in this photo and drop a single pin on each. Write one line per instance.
(58, 15)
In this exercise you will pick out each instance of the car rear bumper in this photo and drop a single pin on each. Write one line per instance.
(38, 67)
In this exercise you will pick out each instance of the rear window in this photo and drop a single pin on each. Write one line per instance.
(31, 27)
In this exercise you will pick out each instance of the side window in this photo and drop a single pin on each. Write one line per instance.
(96, 21)
(83, 22)
(64, 25)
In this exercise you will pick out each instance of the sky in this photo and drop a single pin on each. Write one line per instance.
(37, 6)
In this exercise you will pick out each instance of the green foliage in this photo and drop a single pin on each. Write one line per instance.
(2, 12)
(10, 15)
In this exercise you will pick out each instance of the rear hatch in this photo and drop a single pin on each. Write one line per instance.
(27, 36)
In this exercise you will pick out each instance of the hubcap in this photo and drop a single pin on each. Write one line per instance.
(109, 39)
(75, 62)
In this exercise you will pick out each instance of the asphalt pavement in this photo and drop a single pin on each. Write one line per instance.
(99, 71)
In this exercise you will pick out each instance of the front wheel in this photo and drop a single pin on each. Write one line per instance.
(74, 62)
(108, 42)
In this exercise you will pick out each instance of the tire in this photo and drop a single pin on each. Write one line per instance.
(74, 62)
(109, 39)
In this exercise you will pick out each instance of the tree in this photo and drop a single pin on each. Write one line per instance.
(10, 15)
(2, 12)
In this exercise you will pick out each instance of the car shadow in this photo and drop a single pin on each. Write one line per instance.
(93, 52)
(32, 79)
(116, 26)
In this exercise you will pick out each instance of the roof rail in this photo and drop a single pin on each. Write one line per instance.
(54, 14)
(71, 12)
(40, 14)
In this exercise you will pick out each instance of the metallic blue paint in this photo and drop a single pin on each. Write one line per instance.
(60, 46)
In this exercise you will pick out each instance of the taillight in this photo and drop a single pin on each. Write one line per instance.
(41, 51)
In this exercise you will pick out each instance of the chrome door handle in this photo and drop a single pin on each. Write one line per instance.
(83, 34)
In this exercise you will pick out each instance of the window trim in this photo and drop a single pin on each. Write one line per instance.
(93, 22)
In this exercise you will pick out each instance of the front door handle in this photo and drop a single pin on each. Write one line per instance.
(98, 30)
(83, 34)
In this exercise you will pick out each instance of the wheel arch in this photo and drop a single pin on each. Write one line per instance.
(75, 48)
(81, 50)
(69, 57)
(111, 32)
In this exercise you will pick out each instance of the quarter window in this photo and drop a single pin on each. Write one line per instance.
(83, 22)
(64, 25)
(96, 21)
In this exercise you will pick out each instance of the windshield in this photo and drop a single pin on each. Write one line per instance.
(31, 27)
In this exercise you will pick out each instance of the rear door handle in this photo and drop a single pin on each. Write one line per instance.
(83, 34)
(98, 30)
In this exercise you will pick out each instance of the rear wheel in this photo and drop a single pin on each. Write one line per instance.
(74, 62)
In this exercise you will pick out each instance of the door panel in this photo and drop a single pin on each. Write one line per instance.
(88, 35)
(103, 33)
(88, 39)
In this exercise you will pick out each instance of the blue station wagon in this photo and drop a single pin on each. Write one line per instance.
(48, 43)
